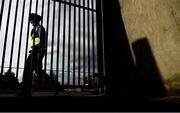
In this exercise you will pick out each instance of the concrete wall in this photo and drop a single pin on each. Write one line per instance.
(159, 22)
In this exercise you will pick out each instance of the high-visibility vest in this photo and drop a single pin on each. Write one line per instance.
(34, 40)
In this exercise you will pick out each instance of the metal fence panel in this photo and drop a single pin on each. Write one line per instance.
(71, 29)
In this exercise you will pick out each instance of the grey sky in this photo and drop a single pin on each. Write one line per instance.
(24, 33)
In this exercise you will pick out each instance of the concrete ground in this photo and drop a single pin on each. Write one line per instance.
(70, 101)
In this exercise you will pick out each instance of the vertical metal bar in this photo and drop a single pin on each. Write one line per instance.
(36, 6)
(74, 47)
(69, 45)
(42, 13)
(93, 53)
(84, 46)
(31, 68)
(0, 20)
(5, 41)
(46, 41)
(58, 41)
(20, 39)
(79, 46)
(88, 27)
(19, 48)
(2, 9)
(99, 39)
(63, 54)
(13, 36)
(52, 46)
(27, 37)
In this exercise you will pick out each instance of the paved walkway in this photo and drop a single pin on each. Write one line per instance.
(72, 100)
(44, 93)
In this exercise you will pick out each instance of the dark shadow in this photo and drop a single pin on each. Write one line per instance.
(121, 77)
(119, 65)
(148, 79)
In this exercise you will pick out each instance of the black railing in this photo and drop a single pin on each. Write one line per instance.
(73, 42)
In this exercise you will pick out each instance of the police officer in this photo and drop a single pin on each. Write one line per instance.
(36, 54)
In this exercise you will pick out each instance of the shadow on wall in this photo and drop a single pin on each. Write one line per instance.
(148, 77)
(122, 77)
(119, 65)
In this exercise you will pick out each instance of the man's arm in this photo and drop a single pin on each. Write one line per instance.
(41, 33)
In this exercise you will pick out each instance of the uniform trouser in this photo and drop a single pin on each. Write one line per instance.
(33, 63)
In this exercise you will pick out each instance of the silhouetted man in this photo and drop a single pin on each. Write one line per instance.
(36, 54)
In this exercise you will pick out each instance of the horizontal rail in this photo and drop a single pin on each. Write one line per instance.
(75, 5)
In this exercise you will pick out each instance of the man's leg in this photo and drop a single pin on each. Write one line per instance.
(27, 77)
(39, 70)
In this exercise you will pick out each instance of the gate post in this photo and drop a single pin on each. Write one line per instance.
(100, 53)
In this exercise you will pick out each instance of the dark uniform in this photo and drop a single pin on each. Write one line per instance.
(36, 54)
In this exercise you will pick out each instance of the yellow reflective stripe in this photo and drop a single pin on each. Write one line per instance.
(36, 42)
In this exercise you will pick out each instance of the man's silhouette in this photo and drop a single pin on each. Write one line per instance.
(36, 54)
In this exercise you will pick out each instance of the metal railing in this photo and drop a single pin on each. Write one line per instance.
(73, 38)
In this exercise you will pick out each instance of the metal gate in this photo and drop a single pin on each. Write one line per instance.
(74, 39)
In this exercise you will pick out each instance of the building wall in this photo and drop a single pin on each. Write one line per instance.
(159, 22)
